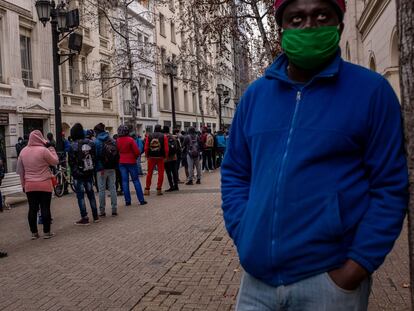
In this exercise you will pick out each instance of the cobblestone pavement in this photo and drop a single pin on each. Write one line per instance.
(172, 254)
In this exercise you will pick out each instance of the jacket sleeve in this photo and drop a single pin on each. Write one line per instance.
(235, 176)
(51, 156)
(166, 145)
(146, 146)
(135, 148)
(20, 170)
(386, 168)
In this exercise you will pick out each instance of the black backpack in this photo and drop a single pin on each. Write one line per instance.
(156, 145)
(85, 158)
(110, 154)
(172, 146)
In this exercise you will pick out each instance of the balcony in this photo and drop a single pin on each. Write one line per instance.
(75, 100)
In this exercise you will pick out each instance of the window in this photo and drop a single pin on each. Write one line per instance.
(186, 108)
(173, 32)
(171, 5)
(142, 96)
(105, 82)
(194, 103)
(102, 24)
(163, 58)
(74, 75)
(84, 89)
(149, 98)
(26, 57)
(162, 25)
(165, 96)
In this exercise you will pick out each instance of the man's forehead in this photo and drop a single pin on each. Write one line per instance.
(300, 5)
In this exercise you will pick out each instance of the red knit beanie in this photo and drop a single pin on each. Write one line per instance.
(280, 5)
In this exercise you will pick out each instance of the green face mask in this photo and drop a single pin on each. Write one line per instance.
(310, 48)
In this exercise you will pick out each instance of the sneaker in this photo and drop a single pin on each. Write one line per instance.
(143, 202)
(176, 188)
(128, 204)
(146, 192)
(96, 220)
(159, 192)
(102, 214)
(48, 235)
(82, 222)
(3, 254)
(170, 190)
(114, 214)
(198, 181)
(119, 193)
(35, 236)
(189, 183)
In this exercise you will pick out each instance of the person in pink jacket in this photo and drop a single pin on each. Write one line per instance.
(36, 178)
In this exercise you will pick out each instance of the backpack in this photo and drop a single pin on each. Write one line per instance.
(221, 141)
(172, 146)
(85, 159)
(110, 154)
(156, 145)
(210, 141)
(194, 150)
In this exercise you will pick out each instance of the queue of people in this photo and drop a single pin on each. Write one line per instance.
(97, 159)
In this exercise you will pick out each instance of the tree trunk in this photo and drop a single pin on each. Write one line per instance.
(405, 20)
(259, 21)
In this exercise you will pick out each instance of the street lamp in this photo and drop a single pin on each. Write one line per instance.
(171, 70)
(219, 91)
(58, 16)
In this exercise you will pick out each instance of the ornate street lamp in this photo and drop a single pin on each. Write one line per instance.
(58, 16)
(171, 70)
(219, 91)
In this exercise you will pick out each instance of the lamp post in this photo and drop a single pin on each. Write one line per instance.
(219, 91)
(58, 16)
(171, 70)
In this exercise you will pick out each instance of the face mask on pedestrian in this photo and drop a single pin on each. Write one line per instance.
(310, 48)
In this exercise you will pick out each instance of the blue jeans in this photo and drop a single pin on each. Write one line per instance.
(126, 171)
(317, 293)
(82, 186)
(140, 172)
(107, 177)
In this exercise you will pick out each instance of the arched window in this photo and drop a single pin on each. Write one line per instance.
(347, 52)
(395, 53)
(372, 63)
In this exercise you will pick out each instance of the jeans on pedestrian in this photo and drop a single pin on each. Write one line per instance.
(83, 186)
(140, 172)
(207, 159)
(172, 173)
(107, 177)
(126, 171)
(315, 293)
(39, 200)
(191, 163)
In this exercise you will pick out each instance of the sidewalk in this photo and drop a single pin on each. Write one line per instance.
(172, 254)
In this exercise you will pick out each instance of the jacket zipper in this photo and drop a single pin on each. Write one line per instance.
(275, 237)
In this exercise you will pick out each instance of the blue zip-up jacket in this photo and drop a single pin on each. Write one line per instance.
(99, 141)
(314, 174)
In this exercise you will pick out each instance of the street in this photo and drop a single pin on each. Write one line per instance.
(172, 254)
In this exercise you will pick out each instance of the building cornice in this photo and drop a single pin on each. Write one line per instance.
(12, 7)
(370, 15)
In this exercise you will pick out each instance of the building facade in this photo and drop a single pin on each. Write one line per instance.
(370, 37)
(26, 76)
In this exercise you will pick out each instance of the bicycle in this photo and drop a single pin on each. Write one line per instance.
(63, 178)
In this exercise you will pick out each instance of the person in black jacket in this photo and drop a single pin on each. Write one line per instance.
(82, 162)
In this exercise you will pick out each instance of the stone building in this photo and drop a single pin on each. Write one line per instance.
(370, 37)
(26, 76)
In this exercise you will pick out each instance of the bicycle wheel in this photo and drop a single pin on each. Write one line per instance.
(72, 185)
(59, 188)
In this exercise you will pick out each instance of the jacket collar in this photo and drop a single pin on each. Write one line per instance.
(278, 70)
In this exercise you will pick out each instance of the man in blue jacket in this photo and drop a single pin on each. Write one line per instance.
(314, 180)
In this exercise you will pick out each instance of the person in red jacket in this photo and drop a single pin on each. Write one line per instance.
(128, 154)
(156, 150)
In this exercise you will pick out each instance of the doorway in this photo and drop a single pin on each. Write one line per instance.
(30, 125)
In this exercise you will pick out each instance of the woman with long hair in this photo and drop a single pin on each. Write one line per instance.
(36, 178)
